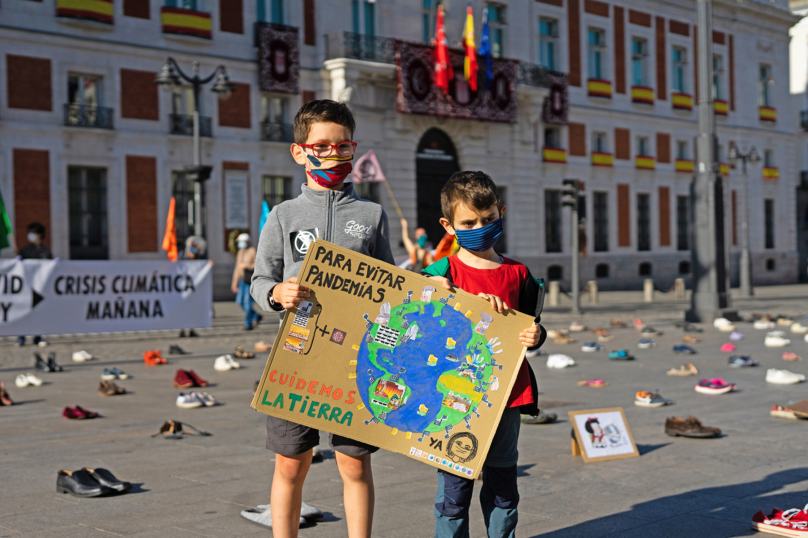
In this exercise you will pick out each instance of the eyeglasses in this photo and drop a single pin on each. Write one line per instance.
(322, 149)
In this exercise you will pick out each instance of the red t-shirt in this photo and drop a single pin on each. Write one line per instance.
(506, 281)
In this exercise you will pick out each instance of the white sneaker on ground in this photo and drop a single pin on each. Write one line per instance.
(775, 340)
(529, 354)
(799, 328)
(189, 401)
(225, 362)
(719, 322)
(577, 326)
(763, 324)
(783, 377)
(203, 397)
(262, 516)
(27, 379)
(307, 511)
(557, 360)
(42, 343)
(82, 356)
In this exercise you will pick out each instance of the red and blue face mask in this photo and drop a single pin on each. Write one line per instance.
(328, 177)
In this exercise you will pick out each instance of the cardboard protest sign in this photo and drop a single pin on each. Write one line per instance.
(387, 357)
(602, 434)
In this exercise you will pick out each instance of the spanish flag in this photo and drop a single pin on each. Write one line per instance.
(470, 64)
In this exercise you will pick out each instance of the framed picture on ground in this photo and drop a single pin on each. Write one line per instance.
(602, 434)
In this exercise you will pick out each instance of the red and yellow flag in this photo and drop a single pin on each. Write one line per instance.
(470, 63)
(170, 238)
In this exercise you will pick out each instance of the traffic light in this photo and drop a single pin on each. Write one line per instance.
(198, 173)
(570, 196)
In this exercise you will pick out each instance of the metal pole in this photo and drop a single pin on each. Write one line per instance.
(710, 284)
(197, 158)
(745, 269)
(576, 284)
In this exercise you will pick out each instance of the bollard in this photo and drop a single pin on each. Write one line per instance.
(553, 299)
(648, 290)
(593, 291)
(679, 288)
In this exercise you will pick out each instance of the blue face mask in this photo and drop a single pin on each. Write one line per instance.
(422, 241)
(192, 250)
(480, 239)
(242, 244)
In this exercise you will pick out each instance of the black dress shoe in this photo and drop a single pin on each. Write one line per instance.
(80, 484)
(40, 363)
(52, 363)
(192, 333)
(106, 478)
(174, 349)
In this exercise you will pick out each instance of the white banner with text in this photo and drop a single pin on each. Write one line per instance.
(69, 297)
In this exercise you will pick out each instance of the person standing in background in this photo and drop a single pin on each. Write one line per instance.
(35, 250)
(196, 248)
(419, 256)
(242, 278)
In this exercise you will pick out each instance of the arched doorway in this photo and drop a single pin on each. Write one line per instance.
(435, 162)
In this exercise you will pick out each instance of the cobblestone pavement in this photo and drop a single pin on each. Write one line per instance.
(198, 485)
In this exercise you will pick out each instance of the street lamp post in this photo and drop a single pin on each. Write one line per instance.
(169, 78)
(745, 268)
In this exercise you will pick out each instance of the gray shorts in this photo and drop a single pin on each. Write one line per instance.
(290, 439)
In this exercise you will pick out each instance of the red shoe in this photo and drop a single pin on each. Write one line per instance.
(86, 412)
(148, 358)
(183, 381)
(792, 522)
(72, 413)
(198, 380)
(158, 356)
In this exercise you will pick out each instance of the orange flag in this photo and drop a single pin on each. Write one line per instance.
(170, 238)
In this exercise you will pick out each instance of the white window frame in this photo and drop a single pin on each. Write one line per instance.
(553, 41)
(679, 69)
(641, 60)
(765, 81)
(643, 146)
(600, 142)
(768, 157)
(597, 53)
(718, 87)
(683, 150)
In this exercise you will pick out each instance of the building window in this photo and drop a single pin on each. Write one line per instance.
(552, 220)
(367, 191)
(182, 101)
(682, 223)
(718, 77)
(555, 272)
(601, 223)
(427, 14)
(496, 24)
(639, 61)
(183, 191)
(184, 4)
(602, 270)
(768, 158)
(682, 150)
(597, 53)
(719, 153)
(643, 222)
(764, 85)
(277, 189)
(276, 11)
(364, 16)
(684, 268)
(274, 109)
(599, 142)
(87, 204)
(769, 210)
(642, 146)
(84, 90)
(645, 269)
(548, 43)
(679, 66)
(770, 264)
(552, 137)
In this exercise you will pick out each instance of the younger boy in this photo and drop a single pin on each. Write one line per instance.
(472, 211)
(327, 209)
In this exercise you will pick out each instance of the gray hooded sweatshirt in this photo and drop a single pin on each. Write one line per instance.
(340, 217)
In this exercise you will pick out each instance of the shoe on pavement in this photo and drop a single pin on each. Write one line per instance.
(577, 326)
(262, 346)
(792, 522)
(728, 347)
(72, 413)
(784, 322)
(110, 374)
(40, 364)
(603, 338)
(82, 356)
(21, 381)
(196, 379)
(806, 338)
(241, 354)
(5, 398)
(225, 363)
(647, 398)
(742, 361)
(736, 336)
(650, 331)
(174, 349)
(798, 328)
(205, 398)
(783, 377)
(686, 350)
(189, 401)
(41, 342)
(620, 355)
(616, 322)
(262, 517)
(775, 340)
(763, 324)
(316, 455)
(563, 339)
(690, 339)
(558, 360)
(27, 379)
(542, 418)
(684, 370)
(718, 322)
(52, 366)
(531, 353)
(646, 343)
(107, 479)
(689, 427)
(714, 386)
(182, 380)
(800, 408)
(108, 388)
(86, 412)
(597, 383)
(779, 411)
(80, 484)
(307, 511)
(791, 356)
(590, 347)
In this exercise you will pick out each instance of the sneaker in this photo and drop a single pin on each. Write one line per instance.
(20, 342)
(719, 322)
(532, 353)
(557, 360)
(690, 328)
(783, 377)
(199, 382)
(154, 357)
(792, 522)
(620, 355)
(784, 322)
(71, 413)
(727, 348)
(108, 375)
(564, 339)
(684, 370)
(736, 336)
(189, 401)
(41, 342)
(120, 374)
(21, 381)
(647, 398)
(779, 411)
(686, 350)
(591, 347)
(52, 366)
(799, 408)
(690, 339)
(646, 343)
(316, 457)
(174, 349)
(86, 412)
(689, 427)
(638, 324)
(108, 388)
(617, 322)
(714, 386)
(775, 340)
(650, 331)
(598, 383)
(262, 517)
(798, 328)
(542, 418)
(225, 363)
(601, 332)
(791, 356)
(27, 380)
(806, 338)
(241, 354)
(262, 346)
(742, 361)
(603, 338)
(552, 334)
(577, 326)
(204, 397)
(763, 324)
(182, 380)
(82, 356)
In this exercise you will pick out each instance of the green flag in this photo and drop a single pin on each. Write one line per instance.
(5, 225)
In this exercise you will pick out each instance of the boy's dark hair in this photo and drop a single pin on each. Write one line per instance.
(37, 228)
(475, 189)
(322, 111)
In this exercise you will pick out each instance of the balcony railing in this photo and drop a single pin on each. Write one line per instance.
(804, 120)
(277, 132)
(88, 116)
(533, 75)
(182, 124)
(360, 47)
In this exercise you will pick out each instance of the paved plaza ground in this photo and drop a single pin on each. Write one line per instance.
(198, 485)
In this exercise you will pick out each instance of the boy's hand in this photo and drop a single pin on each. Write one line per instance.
(496, 303)
(443, 281)
(234, 287)
(288, 294)
(530, 336)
